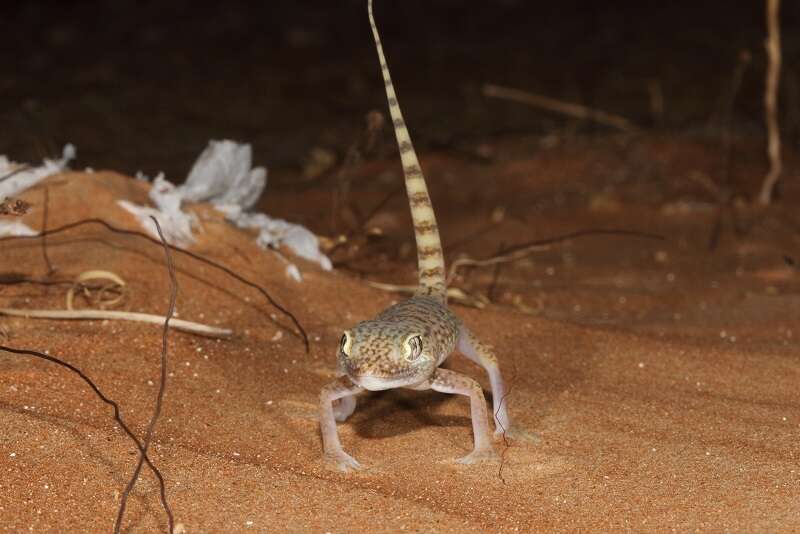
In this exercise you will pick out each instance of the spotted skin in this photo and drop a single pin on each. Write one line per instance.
(405, 344)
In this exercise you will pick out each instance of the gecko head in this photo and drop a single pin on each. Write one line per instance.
(380, 355)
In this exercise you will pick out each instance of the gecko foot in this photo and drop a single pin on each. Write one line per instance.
(517, 434)
(341, 461)
(479, 456)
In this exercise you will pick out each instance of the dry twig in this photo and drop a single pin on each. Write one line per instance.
(45, 210)
(773, 46)
(723, 114)
(343, 211)
(521, 251)
(725, 207)
(173, 295)
(559, 106)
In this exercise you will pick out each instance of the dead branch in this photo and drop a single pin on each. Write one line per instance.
(724, 110)
(773, 46)
(495, 274)
(559, 106)
(173, 295)
(45, 210)
(343, 211)
(301, 331)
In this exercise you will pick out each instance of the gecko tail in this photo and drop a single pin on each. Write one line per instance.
(430, 256)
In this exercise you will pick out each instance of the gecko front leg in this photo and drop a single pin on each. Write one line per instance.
(446, 381)
(334, 454)
(344, 407)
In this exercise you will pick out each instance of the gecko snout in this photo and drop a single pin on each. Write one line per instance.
(351, 367)
(358, 369)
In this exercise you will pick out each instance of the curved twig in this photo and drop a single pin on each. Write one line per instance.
(117, 283)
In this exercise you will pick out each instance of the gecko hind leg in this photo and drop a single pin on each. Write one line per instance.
(446, 381)
(344, 408)
(471, 347)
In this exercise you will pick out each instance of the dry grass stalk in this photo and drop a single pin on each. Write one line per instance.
(177, 324)
(454, 294)
(773, 46)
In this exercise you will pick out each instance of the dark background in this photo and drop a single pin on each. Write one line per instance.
(145, 85)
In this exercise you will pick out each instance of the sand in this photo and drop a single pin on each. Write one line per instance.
(660, 377)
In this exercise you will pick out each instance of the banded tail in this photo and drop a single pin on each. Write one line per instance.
(430, 258)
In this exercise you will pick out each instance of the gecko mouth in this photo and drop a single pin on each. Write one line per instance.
(374, 376)
(378, 383)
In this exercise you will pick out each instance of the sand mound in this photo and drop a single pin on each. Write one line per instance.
(664, 424)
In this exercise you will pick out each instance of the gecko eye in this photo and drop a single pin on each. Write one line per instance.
(345, 344)
(413, 348)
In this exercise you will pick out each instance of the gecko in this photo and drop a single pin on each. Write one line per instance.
(404, 346)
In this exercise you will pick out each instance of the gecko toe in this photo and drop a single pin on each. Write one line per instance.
(479, 456)
(342, 462)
